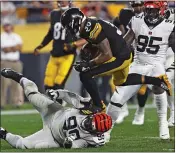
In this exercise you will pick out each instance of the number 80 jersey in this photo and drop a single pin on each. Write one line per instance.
(151, 44)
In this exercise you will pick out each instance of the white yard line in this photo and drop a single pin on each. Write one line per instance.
(33, 111)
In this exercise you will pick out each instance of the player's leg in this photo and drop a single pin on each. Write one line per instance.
(170, 73)
(42, 103)
(140, 112)
(50, 73)
(40, 139)
(160, 99)
(118, 99)
(64, 68)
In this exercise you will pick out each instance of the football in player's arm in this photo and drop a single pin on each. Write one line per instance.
(114, 56)
(62, 127)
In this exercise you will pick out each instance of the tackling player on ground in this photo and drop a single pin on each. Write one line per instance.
(114, 56)
(153, 35)
(62, 127)
(63, 52)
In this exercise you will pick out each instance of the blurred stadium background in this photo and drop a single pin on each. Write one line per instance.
(31, 22)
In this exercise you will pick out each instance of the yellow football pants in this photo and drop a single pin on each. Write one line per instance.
(58, 69)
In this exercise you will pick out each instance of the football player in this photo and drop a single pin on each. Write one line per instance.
(137, 8)
(62, 127)
(114, 56)
(170, 68)
(153, 35)
(60, 63)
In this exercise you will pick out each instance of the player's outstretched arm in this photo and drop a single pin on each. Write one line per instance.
(69, 97)
(129, 37)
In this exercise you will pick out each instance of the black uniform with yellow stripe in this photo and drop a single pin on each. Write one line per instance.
(95, 31)
(60, 62)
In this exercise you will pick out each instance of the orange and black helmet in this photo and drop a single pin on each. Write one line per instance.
(97, 123)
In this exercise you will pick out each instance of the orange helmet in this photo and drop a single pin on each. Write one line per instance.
(97, 123)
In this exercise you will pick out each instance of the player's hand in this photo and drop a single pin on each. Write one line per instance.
(68, 141)
(69, 46)
(37, 49)
(52, 94)
(82, 66)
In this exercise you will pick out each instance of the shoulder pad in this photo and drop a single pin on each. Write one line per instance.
(169, 21)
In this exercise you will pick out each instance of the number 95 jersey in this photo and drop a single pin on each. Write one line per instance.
(151, 43)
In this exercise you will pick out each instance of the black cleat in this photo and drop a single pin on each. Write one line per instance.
(11, 74)
(3, 133)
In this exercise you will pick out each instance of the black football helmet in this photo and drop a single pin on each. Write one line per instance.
(71, 20)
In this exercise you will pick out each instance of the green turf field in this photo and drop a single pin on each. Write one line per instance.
(125, 137)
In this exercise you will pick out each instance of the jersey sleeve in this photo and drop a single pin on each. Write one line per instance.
(92, 31)
(81, 143)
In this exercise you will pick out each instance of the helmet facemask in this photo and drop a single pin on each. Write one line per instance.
(152, 15)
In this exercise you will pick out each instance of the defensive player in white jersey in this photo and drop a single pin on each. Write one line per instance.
(170, 69)
(62, 127)
(153, 35)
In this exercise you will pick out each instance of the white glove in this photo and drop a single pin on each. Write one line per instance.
(53, 94)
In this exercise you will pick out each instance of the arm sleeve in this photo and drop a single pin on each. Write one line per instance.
(49, 36)
(18, 40)
(172, 40)
(79, 144)
(72, 98)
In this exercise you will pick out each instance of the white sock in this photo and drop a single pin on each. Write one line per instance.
(171, 105)
(161, 105)
(114, 112)
(13, 140)
(140, 110)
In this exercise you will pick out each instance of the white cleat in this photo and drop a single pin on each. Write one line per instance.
(122, 116)
(164, 131)
(171, 121)
(138, 119)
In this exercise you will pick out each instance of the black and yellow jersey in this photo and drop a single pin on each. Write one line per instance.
(58, 34)
(96, 30)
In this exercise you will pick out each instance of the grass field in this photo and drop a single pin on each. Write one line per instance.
(125, 137)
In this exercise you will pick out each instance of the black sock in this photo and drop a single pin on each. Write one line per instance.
(142, 99)
(91, 87)
(135, 79)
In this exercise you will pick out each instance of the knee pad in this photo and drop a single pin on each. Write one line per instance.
(29, 86)
(117, 98)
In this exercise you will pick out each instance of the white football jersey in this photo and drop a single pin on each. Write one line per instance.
(151, 44)
(170, 14)
(68, 123)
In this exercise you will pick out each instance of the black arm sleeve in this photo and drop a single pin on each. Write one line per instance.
(47, 38)
(117, 22)
(172, 40)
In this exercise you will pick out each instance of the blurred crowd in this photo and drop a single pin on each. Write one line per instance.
(22, 12)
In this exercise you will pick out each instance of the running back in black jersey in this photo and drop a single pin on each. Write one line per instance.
(59, 35)
(96, 30)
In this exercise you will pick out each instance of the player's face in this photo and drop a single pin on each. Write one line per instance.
(138, 8)
(63, 4)
(152, 14)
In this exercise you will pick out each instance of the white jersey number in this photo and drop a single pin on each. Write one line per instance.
(59, 33)
(147, 43)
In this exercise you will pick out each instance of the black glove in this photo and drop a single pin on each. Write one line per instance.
(82, 66)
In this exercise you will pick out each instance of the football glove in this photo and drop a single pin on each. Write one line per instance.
(82, 66)
(68, 141)
(69, 46)
(52, 94)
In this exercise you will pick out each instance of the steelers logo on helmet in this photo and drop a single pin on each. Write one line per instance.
(71, 20)
(153, 11)
(97, 123)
